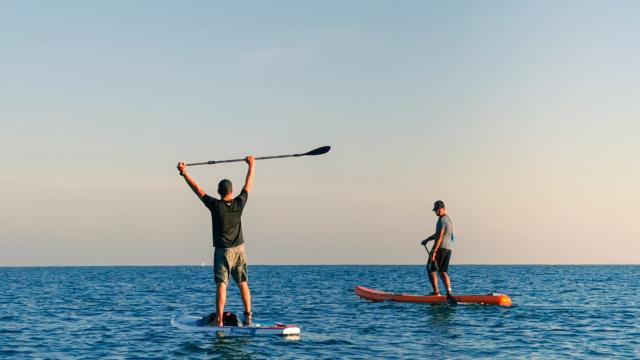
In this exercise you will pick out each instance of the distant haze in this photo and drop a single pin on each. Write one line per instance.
(523, 117)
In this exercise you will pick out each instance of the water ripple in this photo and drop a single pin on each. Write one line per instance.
(124, 312)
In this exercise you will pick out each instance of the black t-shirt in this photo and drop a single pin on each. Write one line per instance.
(225, 219)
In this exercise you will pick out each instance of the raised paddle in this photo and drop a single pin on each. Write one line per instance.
(318, 151)
(450, 299)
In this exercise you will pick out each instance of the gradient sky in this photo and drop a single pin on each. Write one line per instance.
(524, 117)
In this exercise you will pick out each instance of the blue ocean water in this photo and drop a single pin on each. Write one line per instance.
(124, 312)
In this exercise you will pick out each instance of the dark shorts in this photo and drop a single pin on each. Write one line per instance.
(230, 261)
(442, 260)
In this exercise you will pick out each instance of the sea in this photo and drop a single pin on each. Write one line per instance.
(119, 312)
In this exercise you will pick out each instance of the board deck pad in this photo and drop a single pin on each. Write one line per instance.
(190, 323)
(377, 295)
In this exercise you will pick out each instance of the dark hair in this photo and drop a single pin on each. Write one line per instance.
(224, 187)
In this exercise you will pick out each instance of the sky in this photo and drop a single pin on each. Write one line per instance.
(524, 117)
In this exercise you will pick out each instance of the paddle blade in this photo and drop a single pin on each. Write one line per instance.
(319, 151)
(451, 300)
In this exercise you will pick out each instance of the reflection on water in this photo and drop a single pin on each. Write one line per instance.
(230, 346)
(292, 338)
(439, 315)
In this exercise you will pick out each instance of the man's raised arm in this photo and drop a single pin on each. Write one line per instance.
(190, 181)
(248, 184)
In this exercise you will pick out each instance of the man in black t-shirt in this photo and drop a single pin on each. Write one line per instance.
(229, 254)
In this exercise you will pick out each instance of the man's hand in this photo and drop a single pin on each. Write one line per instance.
(433, 256)
(424, 242)
(182, 168)
(248, 184)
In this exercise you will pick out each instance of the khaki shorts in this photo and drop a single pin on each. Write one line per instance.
(230, 261)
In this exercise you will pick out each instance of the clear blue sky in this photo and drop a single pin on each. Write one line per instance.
(522, 116)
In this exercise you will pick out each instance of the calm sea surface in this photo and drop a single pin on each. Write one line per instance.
(124, 312)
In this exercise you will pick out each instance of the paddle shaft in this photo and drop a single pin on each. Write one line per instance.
(450, 299)
(434, 263)
(236, 160)
(318, 151)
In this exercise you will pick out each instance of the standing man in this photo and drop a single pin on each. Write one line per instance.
(441, 250)
(229, 255)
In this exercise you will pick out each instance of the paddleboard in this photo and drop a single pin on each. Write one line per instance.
(377, 295)
(190, 323)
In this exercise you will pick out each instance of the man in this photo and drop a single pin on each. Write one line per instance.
(229, 255)
(441, 250)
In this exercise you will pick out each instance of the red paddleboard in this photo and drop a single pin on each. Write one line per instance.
(377, 295)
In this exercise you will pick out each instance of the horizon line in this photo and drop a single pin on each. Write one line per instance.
(421, 264)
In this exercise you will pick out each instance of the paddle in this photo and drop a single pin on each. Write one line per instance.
(318, 151)
(450, 299)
